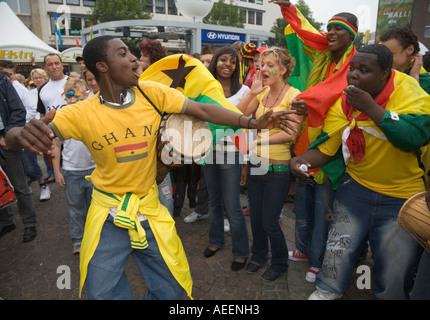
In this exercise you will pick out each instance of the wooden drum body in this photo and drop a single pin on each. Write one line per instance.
(182, 139)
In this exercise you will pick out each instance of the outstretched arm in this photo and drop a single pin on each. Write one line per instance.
(36, 135)
(218, 115)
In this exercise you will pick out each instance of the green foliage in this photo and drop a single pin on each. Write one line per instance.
(113, 10)
(359, 40)
(225, 15)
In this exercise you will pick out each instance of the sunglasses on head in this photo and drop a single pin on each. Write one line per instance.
(72, 93)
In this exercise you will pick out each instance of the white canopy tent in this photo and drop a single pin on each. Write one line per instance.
(17, 42)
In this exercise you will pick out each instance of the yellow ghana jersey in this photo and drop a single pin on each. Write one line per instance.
(384, 168)
(121, 139)
(274, 151)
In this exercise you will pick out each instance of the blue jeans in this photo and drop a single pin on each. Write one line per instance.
(165, 193)
(223, 185)
(106, 278)
(267, 195)
(78, 193)
(12, 166)
(31, 166)
(361, 214)
(313, 207)
(421, 289)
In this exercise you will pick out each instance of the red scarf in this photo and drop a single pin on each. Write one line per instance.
(355, 141)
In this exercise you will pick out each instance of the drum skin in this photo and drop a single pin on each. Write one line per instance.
(182, 139)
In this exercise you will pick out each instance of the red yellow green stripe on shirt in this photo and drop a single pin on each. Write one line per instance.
(131, 152)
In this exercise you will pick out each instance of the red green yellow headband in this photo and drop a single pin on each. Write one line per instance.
(345, 24)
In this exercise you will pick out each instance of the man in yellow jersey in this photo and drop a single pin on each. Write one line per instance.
(380, 123)
(119, 127)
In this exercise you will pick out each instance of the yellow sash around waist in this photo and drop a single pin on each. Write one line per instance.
(160, 222)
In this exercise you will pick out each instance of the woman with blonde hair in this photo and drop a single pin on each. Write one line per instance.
(270, 155)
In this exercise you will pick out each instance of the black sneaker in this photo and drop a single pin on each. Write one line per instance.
(252, 268)
(29, 234)
(270, 276)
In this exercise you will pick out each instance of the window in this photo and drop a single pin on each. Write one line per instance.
(251, 17)
(75, 26)
(243, 12)
(259, 18)
(56, 1)
(251, 1)
(89, 3)
(150, 5)
(19, 6)
(74, 2)
(171, 7)
(63, 31)
(259, 1)
(427, 32)
(160, 6)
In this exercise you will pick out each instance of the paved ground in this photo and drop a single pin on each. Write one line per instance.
(30, 271)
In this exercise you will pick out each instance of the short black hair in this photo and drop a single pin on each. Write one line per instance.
(404, 36)
(79, 58)
(384, 55)
(95, 51)
(8, 64)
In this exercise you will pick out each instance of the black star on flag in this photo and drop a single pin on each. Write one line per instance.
(178, 75)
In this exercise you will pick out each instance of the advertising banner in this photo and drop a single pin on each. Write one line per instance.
(393, 13)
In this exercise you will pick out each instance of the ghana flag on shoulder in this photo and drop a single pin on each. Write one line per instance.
(188, 75)
(320, 82)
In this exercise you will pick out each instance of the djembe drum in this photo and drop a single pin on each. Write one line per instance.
(182, 139)
(414, 217)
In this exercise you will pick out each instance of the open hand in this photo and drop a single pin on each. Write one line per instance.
(280, 119)
(257, 84)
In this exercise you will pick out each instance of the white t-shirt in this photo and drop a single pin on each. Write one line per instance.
(75, 156)
(234, 99)
(51, 96)
(26, 99)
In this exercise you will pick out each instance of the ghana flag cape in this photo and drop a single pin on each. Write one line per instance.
(406, 126)
(310, 49)
(424, 79)
(188, 75)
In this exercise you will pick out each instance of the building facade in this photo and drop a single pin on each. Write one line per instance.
(73, 16)
(421, 21)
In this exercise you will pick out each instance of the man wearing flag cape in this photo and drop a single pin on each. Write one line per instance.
(322, 61)
(119, 127)
(380, 123)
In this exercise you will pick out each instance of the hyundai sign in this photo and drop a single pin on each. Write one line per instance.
(209, 35)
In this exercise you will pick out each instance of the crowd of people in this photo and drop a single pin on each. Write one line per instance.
(361, 113)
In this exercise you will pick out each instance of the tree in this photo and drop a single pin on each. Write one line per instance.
(359, 40)
(280, 24)
(112, 10)
(225, 15)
